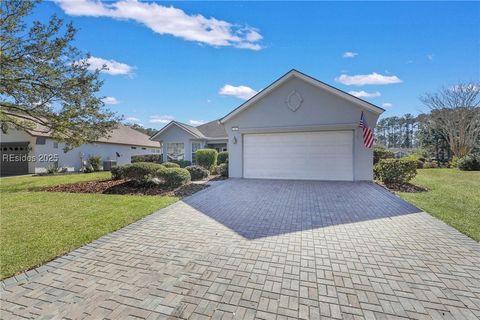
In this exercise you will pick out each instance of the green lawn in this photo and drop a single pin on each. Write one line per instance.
(453, 197)
(36, 227)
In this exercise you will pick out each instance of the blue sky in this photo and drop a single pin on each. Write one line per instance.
(196, 61)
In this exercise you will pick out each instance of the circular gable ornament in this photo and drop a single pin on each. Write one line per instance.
(294, 100)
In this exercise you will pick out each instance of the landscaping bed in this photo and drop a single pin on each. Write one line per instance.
(402, 187)
(126, 187)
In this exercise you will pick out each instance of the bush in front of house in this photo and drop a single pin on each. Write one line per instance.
(206, 158)
(182, 163)
(222, 157)
(470, 162)
(170, 165)
(143, 172)
(95, 161)
(420, 161)
(118, 172)
(380, 153)
(197, 172)
(156, 158)
(174, 177)
(223, 169)
(398, 171)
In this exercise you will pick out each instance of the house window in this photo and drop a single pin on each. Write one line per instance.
(41, 140)
(175, 151)
(133, 148)
(144, 148)
(55, 145)
(195, 147)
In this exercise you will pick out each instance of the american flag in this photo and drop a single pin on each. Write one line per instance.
(367, 132)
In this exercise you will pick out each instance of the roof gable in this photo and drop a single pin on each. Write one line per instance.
(194, 132)
(317, 83)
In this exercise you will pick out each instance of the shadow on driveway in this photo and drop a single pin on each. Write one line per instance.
(262, 208)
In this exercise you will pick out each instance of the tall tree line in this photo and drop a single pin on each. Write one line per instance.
(398, 132)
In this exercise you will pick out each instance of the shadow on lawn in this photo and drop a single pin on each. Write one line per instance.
(262, 208)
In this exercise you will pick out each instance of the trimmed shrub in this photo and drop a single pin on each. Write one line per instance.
(430, 165)
(395, 170)
(222, 157)
(197, 172)
(182, 163)
(156, 158)
(223, 169)
(143, 172)
(118, 172)
(170, 165)
(417, 159)
(380, 153)
(206, 158)
(470, 162)
(95, 161)
(214, 170)
(174, 177)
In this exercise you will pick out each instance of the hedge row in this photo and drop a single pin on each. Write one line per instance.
(152, 173)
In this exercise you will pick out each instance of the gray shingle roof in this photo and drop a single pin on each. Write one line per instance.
(213, 129)
(120, 135)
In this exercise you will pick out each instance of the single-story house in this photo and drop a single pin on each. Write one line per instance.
(300, 128)
(180, 140)
(24, 152)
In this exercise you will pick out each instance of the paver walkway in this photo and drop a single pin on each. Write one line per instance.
(249, 249)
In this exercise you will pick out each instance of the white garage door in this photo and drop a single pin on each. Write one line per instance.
(326, 155)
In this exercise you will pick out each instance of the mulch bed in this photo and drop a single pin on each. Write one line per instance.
(406, 187)
(125, 187)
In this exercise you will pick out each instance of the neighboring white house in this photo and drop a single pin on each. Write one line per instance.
(24, 152)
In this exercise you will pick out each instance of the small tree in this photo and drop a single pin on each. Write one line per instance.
(455, 112)
(45, 82)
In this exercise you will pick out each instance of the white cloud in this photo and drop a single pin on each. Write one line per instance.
(242, 92)
(363, 79)
(430, 56)
(161, 119)
(196, 122)
(364, 94)
(168, 20)
(114, 68)
(387, 105)
(132, 119)
(110, 100)
(350, 54)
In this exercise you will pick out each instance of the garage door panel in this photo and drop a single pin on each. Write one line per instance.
(306, 155)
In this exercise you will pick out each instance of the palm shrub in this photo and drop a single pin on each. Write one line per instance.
(398, 171)
(206, 158)
(470, 162)
(222, 157)
(197, 172)
(95, 161)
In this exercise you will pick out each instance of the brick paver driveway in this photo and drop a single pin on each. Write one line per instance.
(264, 249)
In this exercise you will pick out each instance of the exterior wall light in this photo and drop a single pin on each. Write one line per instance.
(234, 128)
